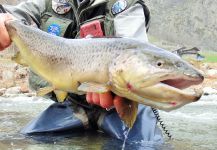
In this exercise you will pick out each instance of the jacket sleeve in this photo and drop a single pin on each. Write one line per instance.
(131, 23)
(29, 11)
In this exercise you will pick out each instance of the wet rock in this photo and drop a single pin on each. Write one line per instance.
(212, 73)
(21, 73)
(2, 91)
(7, 74)
(13, 91)
(8, 78)
(24, 88)
(205, 66)
(209, 91)
(31, 94)
(215, 84)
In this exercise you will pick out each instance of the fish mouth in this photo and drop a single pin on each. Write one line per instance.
(169, 94)
(183, 82)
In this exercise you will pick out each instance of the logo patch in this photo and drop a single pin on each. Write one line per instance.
(54, 29)
(119, 6)
(61, 6)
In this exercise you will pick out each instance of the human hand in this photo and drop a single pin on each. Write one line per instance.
(5, 40)
(105, 100)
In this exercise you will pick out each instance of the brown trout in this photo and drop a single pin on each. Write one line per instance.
(140, 72)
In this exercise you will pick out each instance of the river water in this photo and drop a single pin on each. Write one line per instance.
(193, 127)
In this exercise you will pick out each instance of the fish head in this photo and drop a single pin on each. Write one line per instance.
(155, 77)
(168, 68)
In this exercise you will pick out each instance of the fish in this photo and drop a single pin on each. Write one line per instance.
(140, 72)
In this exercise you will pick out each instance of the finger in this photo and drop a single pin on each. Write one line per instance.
(119, 103)
(95, 97)
(106, 100)
(89, 97)
(1, 48)
(9, 17)
(4, 36)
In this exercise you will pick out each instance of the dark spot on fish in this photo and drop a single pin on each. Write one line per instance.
(53, 59)
(135, 53)
(120, 71)
(96, 71)
(116, 55)
(124, 61)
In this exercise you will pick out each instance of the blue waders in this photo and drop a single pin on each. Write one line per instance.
(73, 116)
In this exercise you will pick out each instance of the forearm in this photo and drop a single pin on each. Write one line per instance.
(29, 11)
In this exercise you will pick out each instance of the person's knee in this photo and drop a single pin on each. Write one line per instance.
(144, 129)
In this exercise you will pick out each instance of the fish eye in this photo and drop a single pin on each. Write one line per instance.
(160, 63)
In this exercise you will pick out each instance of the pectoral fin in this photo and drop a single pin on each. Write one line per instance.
(93, 87)
(44, 91)
(61, 95)
(18, 59)
(127, 111)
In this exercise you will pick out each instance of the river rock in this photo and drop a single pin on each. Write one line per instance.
(21, 73)
(209, 91)
(24, 88)
(2, 91)
(7, 75)
(8, 78)
(212, 73)
(13, 91)
(30, 94)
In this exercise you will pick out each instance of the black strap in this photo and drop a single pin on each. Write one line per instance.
(146, 13)
(2, 10)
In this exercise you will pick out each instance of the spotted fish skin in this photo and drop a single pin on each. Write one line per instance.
(71, 61)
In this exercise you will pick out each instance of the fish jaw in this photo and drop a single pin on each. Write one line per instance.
(166, 94)
(159, 96)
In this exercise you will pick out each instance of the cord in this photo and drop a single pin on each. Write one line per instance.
(157, 115)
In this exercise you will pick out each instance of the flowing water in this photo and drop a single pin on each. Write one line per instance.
(193, 127)
(125, 138)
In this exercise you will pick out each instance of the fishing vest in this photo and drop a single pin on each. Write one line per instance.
(89, 15)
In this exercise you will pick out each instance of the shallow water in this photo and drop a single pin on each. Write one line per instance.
(193, 127)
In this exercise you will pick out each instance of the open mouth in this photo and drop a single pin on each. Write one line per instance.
(168, 94)
(183, 82)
